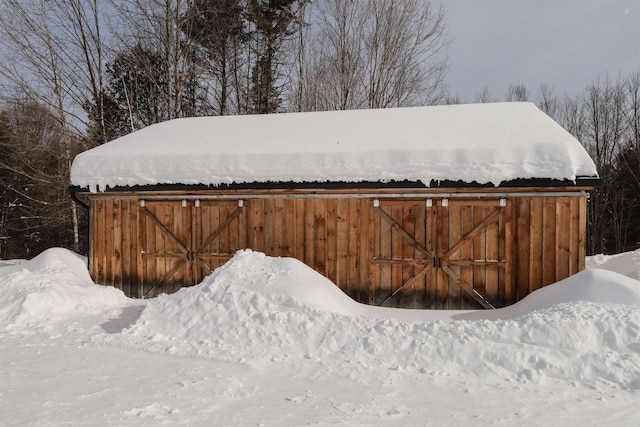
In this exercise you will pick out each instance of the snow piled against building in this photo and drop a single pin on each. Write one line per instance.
(483, 143)
(257, 308)
(52, 287)
(268, 341)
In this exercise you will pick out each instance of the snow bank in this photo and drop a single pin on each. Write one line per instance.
(52, 287)
(54, 257)
(257, 308)
(594, 286)
(627, 263)
(485, 143)
(285, 281)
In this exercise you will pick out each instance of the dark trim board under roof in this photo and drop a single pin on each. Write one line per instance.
(517, 183)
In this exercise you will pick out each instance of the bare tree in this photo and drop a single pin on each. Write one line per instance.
(547, 102)
(604, 107)
(626, 217)
(605, 124)
(571, 116)
(403, 41)
(31, 38)
(34, 203)
(157, 27)
(338, 71)
(517, 93)
(484, 96)
(376, 54)
(633, 93)
(85, 53)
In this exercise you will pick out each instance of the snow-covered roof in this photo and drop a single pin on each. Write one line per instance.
(483, 143)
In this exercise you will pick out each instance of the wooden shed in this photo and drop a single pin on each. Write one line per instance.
(447, 207)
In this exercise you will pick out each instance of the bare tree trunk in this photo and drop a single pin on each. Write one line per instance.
(85, 28)
(300, 59)
(62, 116)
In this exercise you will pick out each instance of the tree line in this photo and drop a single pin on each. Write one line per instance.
(78, 73)
(605, 118)
(109, 67)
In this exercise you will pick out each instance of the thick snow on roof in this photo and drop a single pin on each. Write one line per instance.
(485, 143)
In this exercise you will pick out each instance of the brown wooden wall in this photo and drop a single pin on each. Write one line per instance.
(458, 253)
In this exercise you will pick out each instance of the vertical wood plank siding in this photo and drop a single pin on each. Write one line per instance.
(402, 253)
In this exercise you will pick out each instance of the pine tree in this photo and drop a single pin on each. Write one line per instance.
(274, 22)
(219, 32)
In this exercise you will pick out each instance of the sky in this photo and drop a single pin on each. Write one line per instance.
(566, 44)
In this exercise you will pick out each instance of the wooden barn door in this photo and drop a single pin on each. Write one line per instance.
(443, 254)
(183, 241)
(474, 243)
(404, 249)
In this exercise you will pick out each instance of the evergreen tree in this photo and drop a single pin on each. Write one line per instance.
(219, 32)
(137, 94)
(273, 21)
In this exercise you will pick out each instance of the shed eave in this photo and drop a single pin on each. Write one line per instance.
(582, 182)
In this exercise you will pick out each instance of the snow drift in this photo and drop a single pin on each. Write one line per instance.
(267, 333)
(260, 308)
(52, 287)
(626, 263)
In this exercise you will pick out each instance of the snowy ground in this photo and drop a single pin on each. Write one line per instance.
(267, 341)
